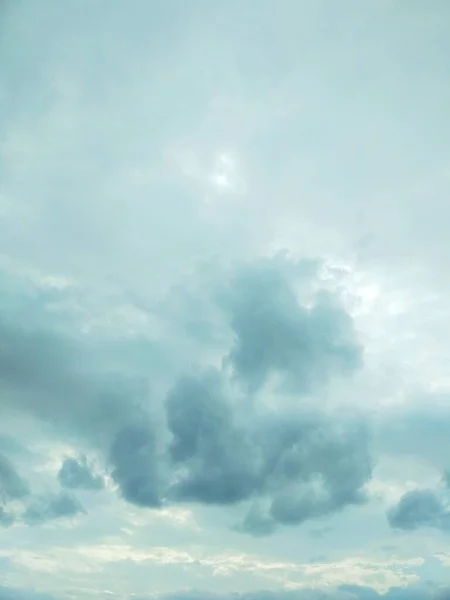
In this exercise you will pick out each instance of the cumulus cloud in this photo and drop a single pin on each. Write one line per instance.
(222, 449)
(302, 466)
(12, 485)
(274, 333)
(134, 459)
(77, 473)
(215, 455)
(50, 507)
(421, 508)
(140, 143)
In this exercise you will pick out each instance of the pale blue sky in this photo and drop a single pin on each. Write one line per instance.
(224, 300)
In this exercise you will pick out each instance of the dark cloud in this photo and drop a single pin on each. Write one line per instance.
(222, 450)
(70, 381)
(50, 369)
(12, 486)
(47, 373)
(300, 467)
(214, 453)
(134, 458)
(51, 507)
(77, 473)
(420, 508)
(313, 466)
(275, 334)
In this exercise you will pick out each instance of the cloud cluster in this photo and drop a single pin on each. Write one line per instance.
(36, 509)
(347, 592)
(51, 507)
(274, 333)
(138, 143)
(76, 473)
(220, 445)
(301, 466)
(224, 449)
(421, 508)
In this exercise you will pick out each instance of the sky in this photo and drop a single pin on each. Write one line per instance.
(224, 300)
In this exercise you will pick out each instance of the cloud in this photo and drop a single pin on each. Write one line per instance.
(214, 452)
(76, 473)
(346, 592)
(274, 333)
(12, 485)
(341, 593)
(120, 126)
(51, 507)
(134, 459)
(39, 366)
(8, 593)
(5, 518)
(217, 446)
(301, 466)
(420, 508)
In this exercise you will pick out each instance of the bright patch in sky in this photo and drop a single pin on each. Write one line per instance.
(224, 301)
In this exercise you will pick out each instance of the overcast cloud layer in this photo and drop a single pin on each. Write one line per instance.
(224, 322)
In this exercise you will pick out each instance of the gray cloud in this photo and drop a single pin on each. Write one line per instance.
(420, 508)
(45, 373)
(134, 459)
(222, 450)
(293, 94)
(77, 473)
(216, 455)
(275, 334)
(313, 466)
(300, 466)
(50, 369)
(51, 507)
(12, 485)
